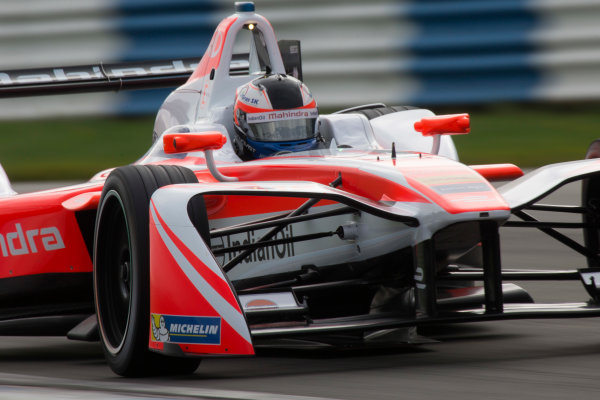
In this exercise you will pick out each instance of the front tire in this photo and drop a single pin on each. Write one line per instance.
(122, 273)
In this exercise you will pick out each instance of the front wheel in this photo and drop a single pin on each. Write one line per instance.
(122, 273)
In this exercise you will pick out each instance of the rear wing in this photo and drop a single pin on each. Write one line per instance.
(124, 76)
(95, 78)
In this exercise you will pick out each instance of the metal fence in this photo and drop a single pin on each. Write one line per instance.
(422, 52)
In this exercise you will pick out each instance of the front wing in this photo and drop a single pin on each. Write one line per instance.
(196, 309)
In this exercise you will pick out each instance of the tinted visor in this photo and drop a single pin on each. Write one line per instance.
(283, 130)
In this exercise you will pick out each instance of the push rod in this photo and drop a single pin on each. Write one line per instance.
(300, 210)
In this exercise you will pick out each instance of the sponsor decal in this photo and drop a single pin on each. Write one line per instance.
(248, 100)
(436, 180)
(469, 199)
(185, 329)
(96, 72)
(269, 301)
(261, 303)
(218, 43)
(18, 242)
(419, 278)
(266, 253)
(473, 187)
(272, 116)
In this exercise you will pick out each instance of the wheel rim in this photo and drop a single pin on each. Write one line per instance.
(113, 272)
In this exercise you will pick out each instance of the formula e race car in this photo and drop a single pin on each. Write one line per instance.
(373, 231)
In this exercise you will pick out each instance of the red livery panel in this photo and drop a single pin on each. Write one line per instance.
(40, 236)
(175, 295)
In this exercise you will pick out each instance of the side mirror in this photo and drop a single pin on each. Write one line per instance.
(453, 124)
(205, 141)
(183, 142)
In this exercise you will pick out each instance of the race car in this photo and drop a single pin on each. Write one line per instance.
(217, 241)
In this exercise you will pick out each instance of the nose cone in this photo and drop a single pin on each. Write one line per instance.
(451, 185)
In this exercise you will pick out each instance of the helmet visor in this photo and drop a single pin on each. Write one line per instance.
(282, 126)
(283, 131)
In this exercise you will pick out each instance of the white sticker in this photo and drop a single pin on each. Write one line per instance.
(273, 116)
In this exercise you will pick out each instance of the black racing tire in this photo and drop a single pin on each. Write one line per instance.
(121, 270)
(378, 111)
(590, 194)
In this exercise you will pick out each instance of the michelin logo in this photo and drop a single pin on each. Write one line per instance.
(184, 329)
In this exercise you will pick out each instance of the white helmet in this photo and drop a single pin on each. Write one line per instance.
(274, 114)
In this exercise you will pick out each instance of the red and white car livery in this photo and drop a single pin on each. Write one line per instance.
(190, 251)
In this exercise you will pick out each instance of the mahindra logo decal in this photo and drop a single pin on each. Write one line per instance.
(31, 241)
(98, 72)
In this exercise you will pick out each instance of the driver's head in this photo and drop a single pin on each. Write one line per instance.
(273, 114)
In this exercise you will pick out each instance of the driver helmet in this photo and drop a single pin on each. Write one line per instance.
(274, 114)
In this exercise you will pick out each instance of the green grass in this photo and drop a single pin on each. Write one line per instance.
(71, 148)
(78, 148)
(528, 137)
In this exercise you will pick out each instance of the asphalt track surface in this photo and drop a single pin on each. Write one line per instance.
(533, 359)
